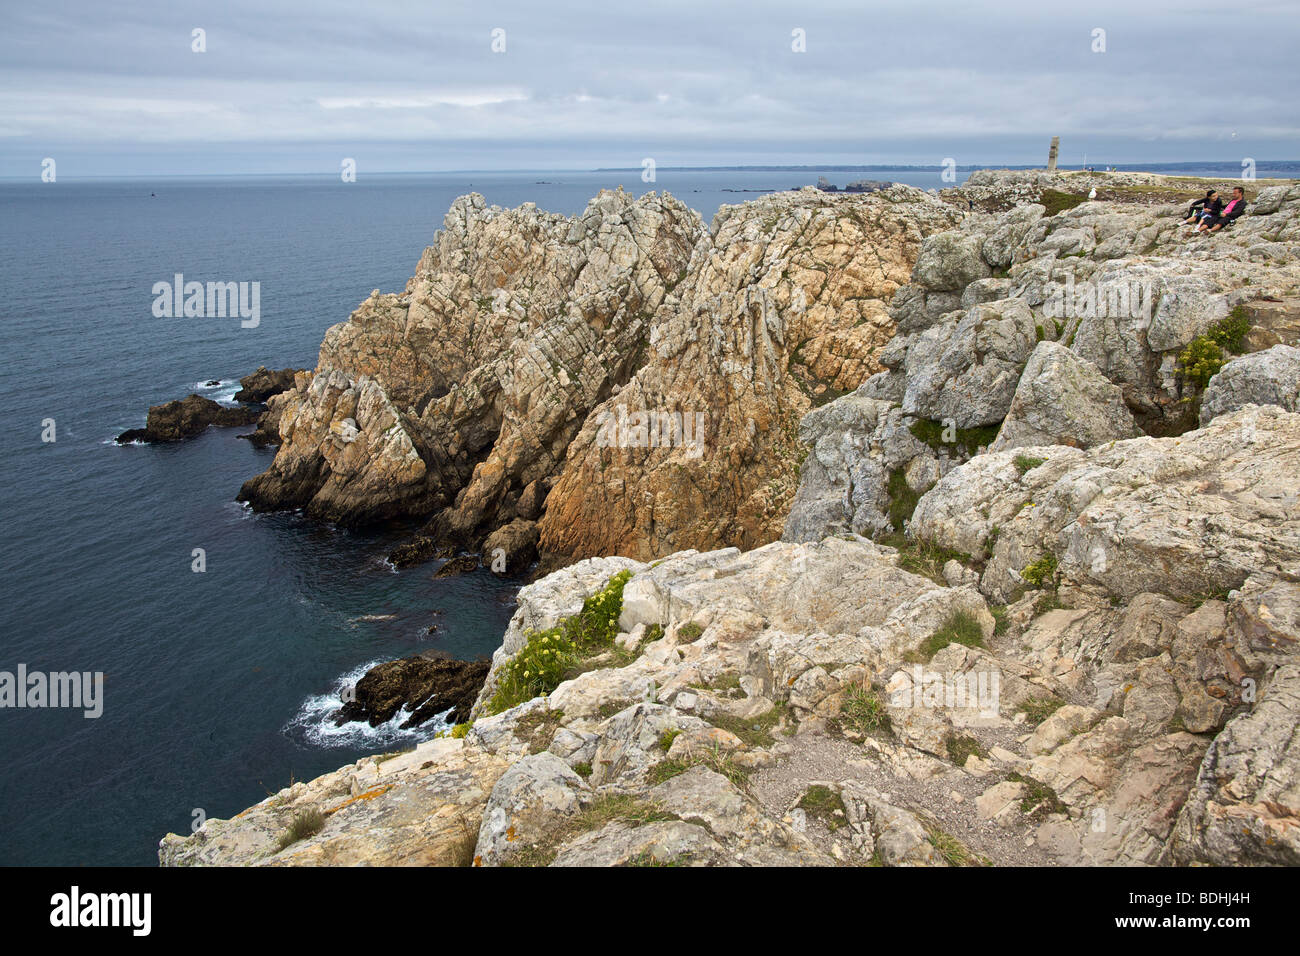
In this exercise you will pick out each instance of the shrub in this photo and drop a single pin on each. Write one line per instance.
(1041, 571)
(1206, 354)
(546, 658)
(1201, 361)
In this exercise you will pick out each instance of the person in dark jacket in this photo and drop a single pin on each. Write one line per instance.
(1236, 206)
(1211, 205)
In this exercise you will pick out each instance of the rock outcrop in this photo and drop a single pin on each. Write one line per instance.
(1064, 400)
(1078, 646)
(260, 385)
(421, 686)
(609, 377)
(831, 702)
(1186, 517)
(185, 418)
(1270, 377)
(1119, 284)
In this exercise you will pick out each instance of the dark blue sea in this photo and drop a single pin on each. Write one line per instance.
(217, 684)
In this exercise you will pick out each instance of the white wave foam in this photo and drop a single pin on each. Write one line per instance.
(314, 722)
(223, 393)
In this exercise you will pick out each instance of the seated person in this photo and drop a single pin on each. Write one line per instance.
(1236, 206)
(1211, 205)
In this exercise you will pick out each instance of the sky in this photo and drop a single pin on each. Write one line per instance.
(109, 88)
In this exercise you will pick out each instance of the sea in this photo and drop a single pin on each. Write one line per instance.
(220, 673)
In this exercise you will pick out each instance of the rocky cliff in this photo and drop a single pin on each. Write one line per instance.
(1037, 599)
(606, 379)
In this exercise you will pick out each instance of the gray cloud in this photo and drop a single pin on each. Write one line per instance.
(291, 85)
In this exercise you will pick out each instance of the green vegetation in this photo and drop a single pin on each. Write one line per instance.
(1038, 709)
(902, 499)
(1041, 572)
(538, 728)
(1055, 201)
(1206, 354)
(938, 436)
(961, 627)
(824, 804)
(756, 731)
(713, 757)
(582, 769)
(922, 558)
(1027, 463)
(1000, 620)
(961, 747)
(600, 812)
(667, 737)
(305, 824)
(1039, 799)
(863, 710)
(549, 657)
(1048, 601)
(689, 632)
(954, 852)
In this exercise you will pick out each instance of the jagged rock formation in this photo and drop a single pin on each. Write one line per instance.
(492, 390)
(1075, 652)
(456, 396)
(783, 305)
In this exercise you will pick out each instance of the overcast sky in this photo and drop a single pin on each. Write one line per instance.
(114, 88)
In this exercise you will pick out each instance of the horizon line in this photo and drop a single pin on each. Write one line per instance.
(800, 167)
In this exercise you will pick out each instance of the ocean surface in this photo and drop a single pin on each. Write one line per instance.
(218, 685)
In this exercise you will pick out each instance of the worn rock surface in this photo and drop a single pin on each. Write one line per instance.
(1271, 377)
(1081, 650)
(1064, 400)
(790, 705)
